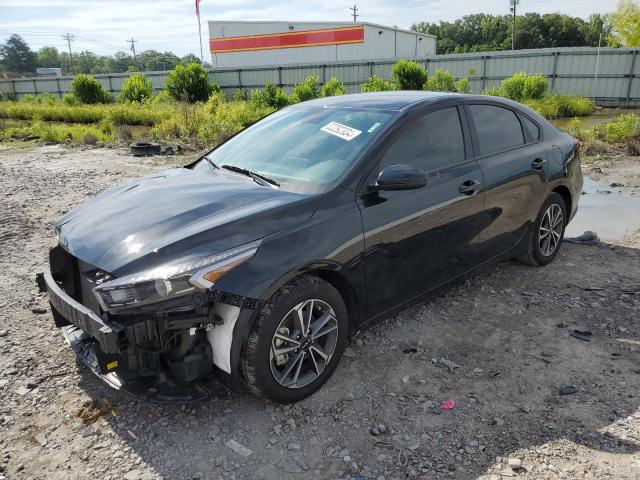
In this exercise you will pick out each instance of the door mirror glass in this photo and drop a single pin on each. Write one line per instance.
(400, 177)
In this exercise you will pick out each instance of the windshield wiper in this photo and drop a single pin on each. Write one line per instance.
(250, 173)
(211, 162)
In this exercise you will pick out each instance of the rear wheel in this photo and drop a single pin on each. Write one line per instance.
(545, 237)
(297, 340)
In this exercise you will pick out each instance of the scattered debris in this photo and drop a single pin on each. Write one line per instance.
(568, 390)
(587, 238)
(581, 334)
(92, 410)
(448, 404)
(448, 363)
(239, 448)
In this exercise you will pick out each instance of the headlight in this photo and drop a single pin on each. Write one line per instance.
(169, 281)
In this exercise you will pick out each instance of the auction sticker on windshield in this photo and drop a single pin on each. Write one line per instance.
(342, 131)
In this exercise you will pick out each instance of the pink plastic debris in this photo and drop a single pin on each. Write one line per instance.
(448, 405)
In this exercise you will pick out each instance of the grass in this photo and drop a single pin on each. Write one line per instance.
(60, 133)
(557, 105)
(620, 132)
(122, 113)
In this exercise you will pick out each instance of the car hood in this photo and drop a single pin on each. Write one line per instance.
(176, 214)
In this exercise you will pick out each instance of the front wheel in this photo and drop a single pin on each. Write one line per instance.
(297, 340)
(546, 234)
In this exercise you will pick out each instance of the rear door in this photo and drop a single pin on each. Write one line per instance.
(514, 166)
(416, 240)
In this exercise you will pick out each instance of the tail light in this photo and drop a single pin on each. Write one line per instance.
(577, 144)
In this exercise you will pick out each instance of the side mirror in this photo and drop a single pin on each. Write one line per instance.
(400, 177)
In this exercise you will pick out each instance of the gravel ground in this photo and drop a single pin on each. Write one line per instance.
(531, 401)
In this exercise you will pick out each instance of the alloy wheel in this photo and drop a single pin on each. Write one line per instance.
(303, 343)
(550, 231)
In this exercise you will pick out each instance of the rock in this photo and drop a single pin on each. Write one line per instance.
(39, 311)
(214, 431)
(515, 463)
(382, 428)
(405, 379)
(374, 431)
(4, 333)
(294, 446)
(239, 448)
(567, 390)
(622, 329)
(41, 438)
(448, 363)
(349, 352)
(133, 475)
(477, 370)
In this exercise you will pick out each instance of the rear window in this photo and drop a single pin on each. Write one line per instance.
(497, 128)
(531, 130)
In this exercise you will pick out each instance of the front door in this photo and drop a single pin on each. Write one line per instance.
(416, 240)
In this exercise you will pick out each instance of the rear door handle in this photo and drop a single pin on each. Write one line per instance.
(538, 163)
(469, 187)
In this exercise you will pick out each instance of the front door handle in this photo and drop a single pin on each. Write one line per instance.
(538, 163)
(469, 187)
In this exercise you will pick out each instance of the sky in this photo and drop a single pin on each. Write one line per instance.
(104, 26)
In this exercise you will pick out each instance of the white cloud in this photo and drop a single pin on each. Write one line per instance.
(104, 26)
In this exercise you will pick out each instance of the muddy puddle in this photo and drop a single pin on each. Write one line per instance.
(609, 211)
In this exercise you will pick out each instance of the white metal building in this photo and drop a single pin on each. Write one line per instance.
(245, 44)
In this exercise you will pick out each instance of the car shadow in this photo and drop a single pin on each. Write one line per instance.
(507, 330)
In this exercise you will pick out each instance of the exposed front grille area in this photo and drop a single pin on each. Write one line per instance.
(77, 278)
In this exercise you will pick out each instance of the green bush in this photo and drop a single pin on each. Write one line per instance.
(535, 87)
(240, 95)
(163, 97)
(557, 106)
(495, 91)
(136, 88)
(70, 99)
(332, 88)
(462, 85)
(441, 81)
(408, 75)
(377, 84)
(89, 90)
(190, 83)
(308, 89)
(521, 86)
(620, 129)
(271, 97)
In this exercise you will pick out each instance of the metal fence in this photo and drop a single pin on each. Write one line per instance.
(611, 76)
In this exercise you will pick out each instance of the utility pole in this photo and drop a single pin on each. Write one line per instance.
(133, 49)
(68, 37)
(514, 3)
(354, 9)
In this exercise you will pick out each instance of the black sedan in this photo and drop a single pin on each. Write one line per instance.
(256, 262)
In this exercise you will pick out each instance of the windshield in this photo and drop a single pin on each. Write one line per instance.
(302, 148)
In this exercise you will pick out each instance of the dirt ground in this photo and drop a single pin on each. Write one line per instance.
(379, 416)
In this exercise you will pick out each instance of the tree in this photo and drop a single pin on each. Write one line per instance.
(625, 23)
(16, 57)
(189, 58)
(48, 57)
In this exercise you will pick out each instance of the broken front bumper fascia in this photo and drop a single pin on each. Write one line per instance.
(107, 334)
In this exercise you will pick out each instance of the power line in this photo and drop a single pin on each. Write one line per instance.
(354, 9)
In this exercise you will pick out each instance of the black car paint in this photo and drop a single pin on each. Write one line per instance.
(381, 249)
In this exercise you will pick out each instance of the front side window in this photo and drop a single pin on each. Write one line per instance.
(430, 142)
(302, 148)
(497, 128)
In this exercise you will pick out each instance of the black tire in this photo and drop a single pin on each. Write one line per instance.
(143, 149)
(257, 359)
(534, 255)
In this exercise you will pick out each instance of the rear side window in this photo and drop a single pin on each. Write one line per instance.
(497, 128)
(531, 130)
(430, 142)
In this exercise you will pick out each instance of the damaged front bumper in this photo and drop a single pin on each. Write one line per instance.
(119, 352)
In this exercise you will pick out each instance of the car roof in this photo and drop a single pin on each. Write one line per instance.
(394, 100)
